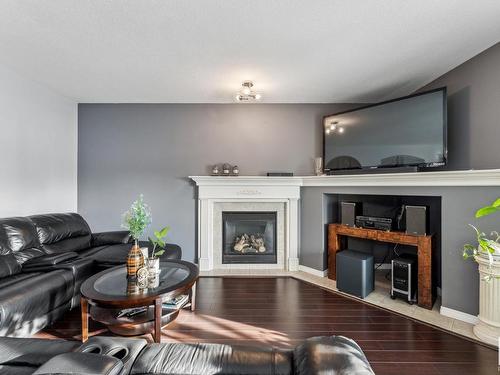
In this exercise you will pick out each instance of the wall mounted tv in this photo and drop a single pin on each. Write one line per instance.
(398, 135)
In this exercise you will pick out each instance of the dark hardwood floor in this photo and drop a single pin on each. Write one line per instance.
(283, 311)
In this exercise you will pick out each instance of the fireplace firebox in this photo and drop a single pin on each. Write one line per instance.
(249, 237)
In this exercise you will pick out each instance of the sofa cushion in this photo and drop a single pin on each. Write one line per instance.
(114, 255)
(18, 234)
(336, 353)
(25, 255)
(110, 238)
(32, 352)
(18, 278)
(81, 364)
(4, 243)
(180, 358)
(47, 262)
(31, 298)
(110, 256)
(59, 233)
(9, 265)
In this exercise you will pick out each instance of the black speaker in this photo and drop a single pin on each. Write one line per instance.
(416, 220)
(404, 277)
(348, 212)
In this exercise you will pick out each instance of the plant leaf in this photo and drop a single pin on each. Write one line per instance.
(485, 211)
(164, 231)
(496, 203)
(159, 253)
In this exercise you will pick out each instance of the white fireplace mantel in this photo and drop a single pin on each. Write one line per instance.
(483, 177)
(214, 190)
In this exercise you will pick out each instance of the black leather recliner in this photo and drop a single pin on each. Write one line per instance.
(334, 355)
(43, 261)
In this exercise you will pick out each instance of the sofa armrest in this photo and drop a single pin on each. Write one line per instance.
(81, 364)
(110, 238)
(47, 262)
(332, 355)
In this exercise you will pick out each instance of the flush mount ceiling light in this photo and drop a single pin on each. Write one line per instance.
(334, 126)
(246, 94)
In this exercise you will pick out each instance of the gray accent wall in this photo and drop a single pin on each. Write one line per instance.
(473, 111)
(128, 149)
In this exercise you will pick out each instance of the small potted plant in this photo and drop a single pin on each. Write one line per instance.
(136, 220)
(158, 243)
(487, 254)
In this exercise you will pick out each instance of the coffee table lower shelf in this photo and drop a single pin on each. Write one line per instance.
(132, 326)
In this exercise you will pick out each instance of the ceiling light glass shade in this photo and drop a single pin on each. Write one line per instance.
(246, 94)
(341, 130)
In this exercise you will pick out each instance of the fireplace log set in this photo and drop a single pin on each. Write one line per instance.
(253, 243)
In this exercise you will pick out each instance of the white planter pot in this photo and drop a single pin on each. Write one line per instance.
(154, 266)
(488, 328)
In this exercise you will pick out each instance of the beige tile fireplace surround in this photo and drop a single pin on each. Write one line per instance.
(220, 207)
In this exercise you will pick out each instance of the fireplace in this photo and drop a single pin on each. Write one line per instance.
(249, 237)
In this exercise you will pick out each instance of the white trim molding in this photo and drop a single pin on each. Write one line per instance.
(313, 271)
(459, 315)
(483, 177)
(489, 177)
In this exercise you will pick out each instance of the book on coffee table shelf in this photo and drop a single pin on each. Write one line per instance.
(174, 304)
(177, 302)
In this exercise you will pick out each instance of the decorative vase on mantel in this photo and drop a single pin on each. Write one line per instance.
(488, 327)
(135, 260)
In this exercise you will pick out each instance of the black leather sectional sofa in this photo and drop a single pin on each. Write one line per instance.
(335, 355)
(43, 261)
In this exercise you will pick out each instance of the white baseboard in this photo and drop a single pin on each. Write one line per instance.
(313, 271)
(459, 315)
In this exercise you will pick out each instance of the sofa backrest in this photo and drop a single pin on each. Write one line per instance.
(18, 235)
(59, 233)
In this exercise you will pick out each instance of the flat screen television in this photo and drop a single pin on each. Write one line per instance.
(404, 132)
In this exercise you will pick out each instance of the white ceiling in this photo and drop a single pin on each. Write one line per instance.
(199, 51)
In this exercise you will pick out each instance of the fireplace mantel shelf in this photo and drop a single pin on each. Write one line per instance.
(486, 177)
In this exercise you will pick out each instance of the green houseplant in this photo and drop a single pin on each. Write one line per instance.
(487, 255)
(486, 246)
(136, 220)
(158, 242)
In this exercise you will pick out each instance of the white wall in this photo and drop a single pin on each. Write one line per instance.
(38, 148)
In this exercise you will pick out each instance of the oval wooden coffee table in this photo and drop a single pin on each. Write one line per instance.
(110, 291)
